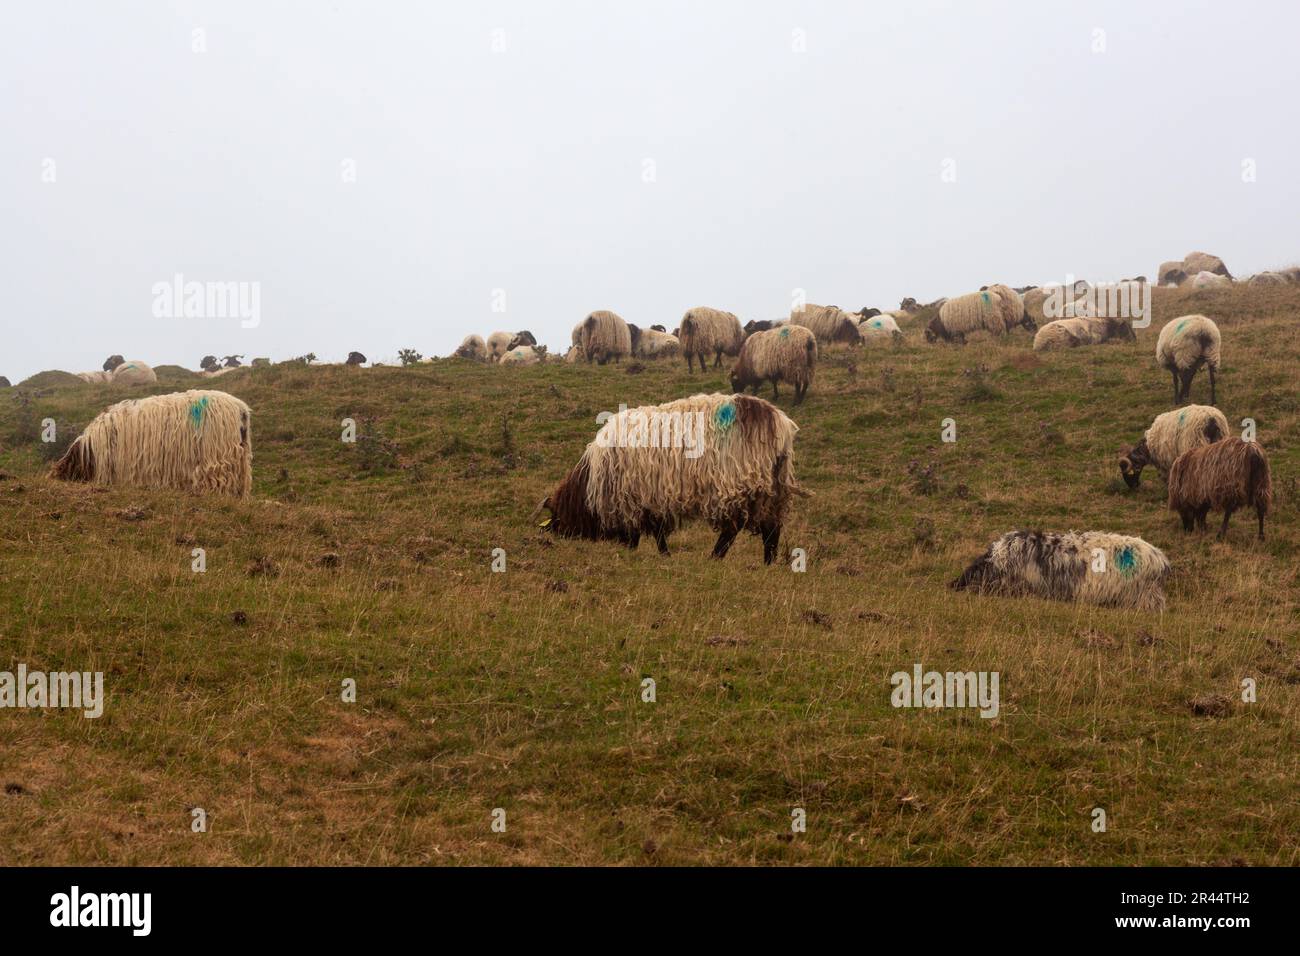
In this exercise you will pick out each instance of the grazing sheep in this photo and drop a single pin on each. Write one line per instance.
(498, 343)
(1184, 345)
(734, 469)
(1222, 476)
(472, 347)
(763, 325)
(831, 324)
(198, 441)
(1171, 434)
(134, 373)
(524, 355)
(909, 305)
(879, 328)
(706, 331)
(1067, 567)
(605, 336)
(355, 358)
(112, 362)
(574, 354)
(1069, 333)
(787, 354)
(208, 363)
(967, 313)
(1171, 273)
(1012, 307)
(653, 343)
(521, 338)
(1209, 280)
(1195, 262)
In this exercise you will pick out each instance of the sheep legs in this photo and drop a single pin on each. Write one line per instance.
(725, 538)
(1210, 369)
(771, 538)
(775, 393)
(1259, 510)
(1223, 532)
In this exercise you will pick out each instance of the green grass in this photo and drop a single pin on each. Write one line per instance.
(522, 690)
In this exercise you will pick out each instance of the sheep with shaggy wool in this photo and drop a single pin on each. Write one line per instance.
(787, 354)
(1171, 273)
(829, 323)
(134, 372)
(1222, 476)
(763, 325)
(1267, 279)
(472, 347)
(1184, 345)
(95, 378)
(725, 459)
(498, 344)
(199, 441)
(1090, 567)
(1012, 307)
(973, 312)
(1070, 333)
(704, 332)
(1209, 280)
(1171, 434)
(605, 336)
(1195, 262)
(574, 355)
(653, 344)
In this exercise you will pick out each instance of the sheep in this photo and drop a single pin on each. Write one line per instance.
(472, 347)
(787, 354)
(233, 361)
(879, 328)
(763, 325)
(1184, 345)
(521, 338)
(112, 362)
(1068, 333)
(573, 355)
(726, 459)
(829, 323)
(1171, 434)
(355, 358)
(653, 343)
(524, 355)
(1267, 279)
(95, 378)
(1195, 262)
(1209, 280)
(605, 336)
(909, 305)
(1222, 476)
(198, 441)
(967, 313)
(498, 343)
(208, 363)
(1012, 307)
(134, 373)
(1090, 567)
(705, 332)
(1171, 273)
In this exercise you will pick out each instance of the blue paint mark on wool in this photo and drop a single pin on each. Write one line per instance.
(197, 410)
(725, 416)
(1180, 326)
(985, 296)
(785, 333)
(1126, 561)
(875, 323)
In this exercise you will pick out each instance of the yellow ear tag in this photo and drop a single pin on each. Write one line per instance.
(545, 523)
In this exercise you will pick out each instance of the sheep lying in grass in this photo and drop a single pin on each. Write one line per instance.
(95, 378)
(725, 459)
(1209, 280)
(706, 332)
(473, 347)
(134, 372)
(198, 441)
(1171, 434)
(1184, 345)
(525, 355)
(879, 328)
(1222, 476)
(787, 354)
(1071, 333)
(605, 336)
(1091, 567)
(498, 343)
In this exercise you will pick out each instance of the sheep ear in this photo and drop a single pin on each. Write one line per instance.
(1125, 465)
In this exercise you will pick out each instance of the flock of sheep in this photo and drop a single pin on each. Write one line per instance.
(737, 470)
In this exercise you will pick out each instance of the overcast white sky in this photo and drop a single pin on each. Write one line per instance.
(525, 170)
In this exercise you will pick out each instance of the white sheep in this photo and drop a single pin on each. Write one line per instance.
(1184, 345)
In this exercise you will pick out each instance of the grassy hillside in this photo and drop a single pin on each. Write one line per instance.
(522, 690)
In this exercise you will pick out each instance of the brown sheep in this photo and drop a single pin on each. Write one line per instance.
(1222, 476)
